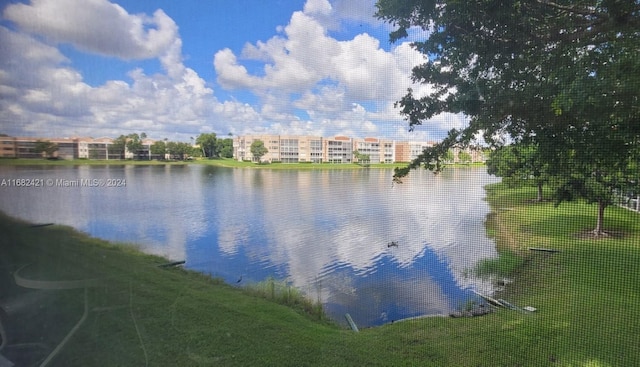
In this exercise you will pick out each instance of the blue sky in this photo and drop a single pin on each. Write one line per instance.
(176, 69)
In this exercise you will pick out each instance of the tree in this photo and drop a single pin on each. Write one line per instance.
(134, 144)
(45, 146)
(557, 74)
(519, 164)
(363, 159)
(448, 156)
(464, 157)
(258, 150)
(225, 147)
(158, 148)
(592, 175)
(178, 150)
(118, 146)
(208, 144)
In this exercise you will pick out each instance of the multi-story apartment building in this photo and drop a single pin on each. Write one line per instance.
(25, 147)
(97, 149)
(242, 147)
(280, 148)
(70, 148)
(338, 149)
(378, 150)
(406, 151)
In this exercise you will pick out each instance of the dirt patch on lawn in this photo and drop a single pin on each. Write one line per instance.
(590, 234)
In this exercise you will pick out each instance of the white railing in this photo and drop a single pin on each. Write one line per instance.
(629, 203)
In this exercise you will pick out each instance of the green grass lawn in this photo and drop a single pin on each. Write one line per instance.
(587, 296)
(220, 162)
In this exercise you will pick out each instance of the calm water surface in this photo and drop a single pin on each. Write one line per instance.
(325, 232)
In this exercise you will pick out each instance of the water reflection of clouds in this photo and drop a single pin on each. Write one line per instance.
(160, 218)
(331, 235)
(388, 294)
(421, 211)
(326, 231)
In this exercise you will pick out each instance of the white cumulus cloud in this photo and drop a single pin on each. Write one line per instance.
(307, 79)
(96, 25)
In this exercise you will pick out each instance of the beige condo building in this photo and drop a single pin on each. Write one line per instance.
(280, 148)
(317, 149)
(70, 148)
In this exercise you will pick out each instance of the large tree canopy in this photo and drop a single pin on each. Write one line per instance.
(209, 144)
(518, 164)
(563, 75)
(258, 150)
(534, 68)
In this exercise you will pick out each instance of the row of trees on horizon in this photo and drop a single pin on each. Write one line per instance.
(207, 145)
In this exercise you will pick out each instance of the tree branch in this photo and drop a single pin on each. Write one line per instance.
(572, 9)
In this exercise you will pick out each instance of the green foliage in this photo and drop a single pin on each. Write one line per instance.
(562, 76)
(519, 164)
(158, 148)
(178, 150)
(209, 144)
(131, 143)
(448, 156)
(258, 150)
(464, 157)
(362, 159)
(503, 265)
(45, 146)
(118, 146)
(225, 148)
(285, 294)
(134, 144)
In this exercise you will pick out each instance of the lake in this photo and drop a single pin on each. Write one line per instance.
(348, 238)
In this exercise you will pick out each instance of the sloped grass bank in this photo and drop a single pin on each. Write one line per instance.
(587, 296)
(142, 314)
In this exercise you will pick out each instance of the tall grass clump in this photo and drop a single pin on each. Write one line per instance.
(503, 265)
(284, 293)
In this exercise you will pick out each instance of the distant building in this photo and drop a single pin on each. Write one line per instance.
(338, 150)
(70, 148)
(280, 148)
(378, 150)
(407, 151)
(25, 147)
(316, 149)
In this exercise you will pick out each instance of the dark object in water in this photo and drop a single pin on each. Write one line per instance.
(392, 244)
(543, 249)
(41, 225)
(174, 263)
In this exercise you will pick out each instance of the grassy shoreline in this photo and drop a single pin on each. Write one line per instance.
(587, 297)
